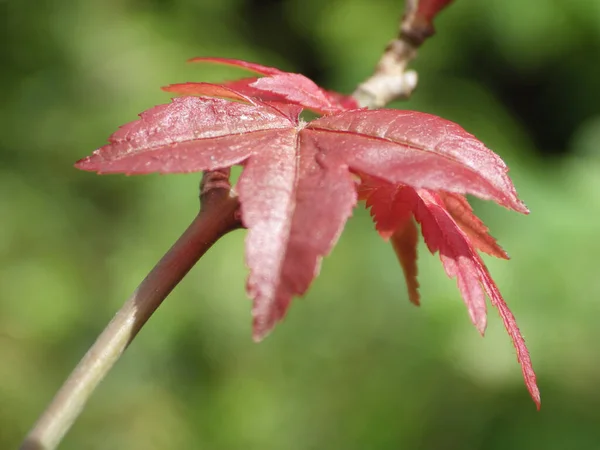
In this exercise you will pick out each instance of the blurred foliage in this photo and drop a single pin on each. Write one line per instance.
(353, 366)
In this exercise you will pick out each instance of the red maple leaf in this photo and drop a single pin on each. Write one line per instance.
(299, 182)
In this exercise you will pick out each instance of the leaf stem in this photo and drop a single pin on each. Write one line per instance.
(218, 215)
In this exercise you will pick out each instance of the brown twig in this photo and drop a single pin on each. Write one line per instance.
(391, 79)
(218, 215)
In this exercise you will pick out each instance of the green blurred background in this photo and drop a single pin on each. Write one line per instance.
(354, 365)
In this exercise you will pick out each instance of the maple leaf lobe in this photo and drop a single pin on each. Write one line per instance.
(421, 150)
(190, 134)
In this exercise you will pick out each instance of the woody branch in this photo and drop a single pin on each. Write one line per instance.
(391, 79)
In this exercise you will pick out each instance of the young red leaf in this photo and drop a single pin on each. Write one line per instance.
(193, 134)
(279, 86)
(297, 186)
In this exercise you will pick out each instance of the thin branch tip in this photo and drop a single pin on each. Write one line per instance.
(391, 80)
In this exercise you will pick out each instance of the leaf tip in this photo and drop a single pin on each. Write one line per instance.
(515, 203)
(414, 297)
(481, 326)
(523, 208)
(258, 336)
(85, 164)
(168, 88)
(530, 379)
(537, 399)
(261, 328)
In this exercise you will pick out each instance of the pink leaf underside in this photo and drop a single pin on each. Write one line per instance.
(389, 205)
(285, 87)
(296, 189)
